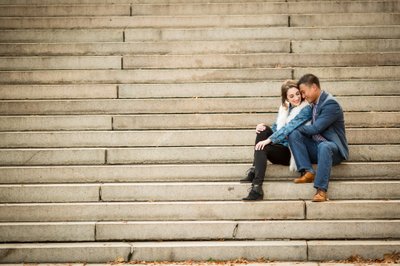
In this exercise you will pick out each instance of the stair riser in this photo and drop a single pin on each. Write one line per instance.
(292, 33)
(190, 192)
(267, 33)
(182, 106)
(337, 250)
(67, 10)
(272, 20)
(181, 121)
(260, 60)
(169, 138)
(47, 232)
(252, 89)
(53, 157)
(142, 231)
(182, 173)
(153, 212)
(200, 47)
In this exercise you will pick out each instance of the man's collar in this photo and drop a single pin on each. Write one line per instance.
(319, 97)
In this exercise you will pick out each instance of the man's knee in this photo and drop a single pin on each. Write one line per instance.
(326, 148)
(295, 135)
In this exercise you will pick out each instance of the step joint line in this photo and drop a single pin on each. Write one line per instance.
(291, 47)
(100, 193)
(130, 10)
(106, 156)
(235, 231)
(95, 232)
(131, 252)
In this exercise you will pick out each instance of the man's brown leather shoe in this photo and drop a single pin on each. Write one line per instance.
(320, 196)
(306, 178)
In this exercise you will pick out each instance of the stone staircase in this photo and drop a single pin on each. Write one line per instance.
(126, 125)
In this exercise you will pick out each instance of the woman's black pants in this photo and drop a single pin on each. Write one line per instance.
(275, 153)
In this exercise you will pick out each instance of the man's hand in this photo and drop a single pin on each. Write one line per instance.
(260, 145)
(260, 127)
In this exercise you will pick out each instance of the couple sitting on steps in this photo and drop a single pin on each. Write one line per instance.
(310, 121)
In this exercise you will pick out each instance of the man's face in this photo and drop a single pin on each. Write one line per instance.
(309, 92)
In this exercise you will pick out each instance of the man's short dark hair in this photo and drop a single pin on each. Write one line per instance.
(308, 79)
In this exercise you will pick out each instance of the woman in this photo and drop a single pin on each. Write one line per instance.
(271, 143)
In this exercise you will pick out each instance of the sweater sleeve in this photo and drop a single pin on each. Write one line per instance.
(328, 115)
(273, 127)
(304, 116)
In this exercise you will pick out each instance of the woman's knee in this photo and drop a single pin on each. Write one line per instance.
(263, 135)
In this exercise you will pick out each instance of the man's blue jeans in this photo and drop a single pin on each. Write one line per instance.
(306, 151)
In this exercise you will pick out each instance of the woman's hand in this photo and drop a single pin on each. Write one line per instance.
(260, 145)
(260, 127)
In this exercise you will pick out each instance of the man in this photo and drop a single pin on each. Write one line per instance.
(323, 142)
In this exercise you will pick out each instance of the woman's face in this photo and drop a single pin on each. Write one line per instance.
(294, 96)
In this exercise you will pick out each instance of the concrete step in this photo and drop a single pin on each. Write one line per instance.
(205, 191)
(360, 153)
(334, 250)
(362, 209)
(52, 156)
(197, 230)
(176, 211)
(242, 230)
(54, 36)
(213, 121)
(236, 191)
(64, 252)
(78, 91)
(169, 138)
(352, 19)
(60, 62)
(173, 47)
(182, 173)
(41, 10)
(155, 251)
(47, 232)
(157, 76)
(89, 22)
(195, 9)
(189, 105)
(63, 2)
(265, 7)
(50, 193)
(174, 121)
(258, 60)
(344, 46)
(240, 89)
(292, 33)
(197, 251)
(45, 123)
(381, 72)
(187, 90)
(200, 61)
(203, 34)
(169, 155)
